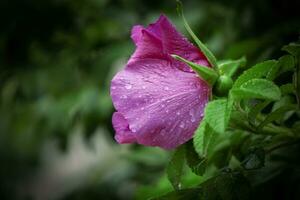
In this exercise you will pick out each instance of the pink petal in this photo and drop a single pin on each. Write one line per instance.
(171, 41)
(122, 128)
(158, 104)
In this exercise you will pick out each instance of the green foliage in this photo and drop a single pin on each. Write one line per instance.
(227, 186)
(217, 114)
(196, 163)
(175, 167)
(239, 132)
(204, 139)
(257, 88)
(258, 71)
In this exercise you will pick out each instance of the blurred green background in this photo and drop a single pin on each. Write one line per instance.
(57, 58)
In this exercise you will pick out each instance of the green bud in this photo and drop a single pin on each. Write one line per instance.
(223, 85)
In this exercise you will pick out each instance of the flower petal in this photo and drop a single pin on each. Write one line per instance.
(148, 46)
(124, 135)
(171, 41)
(161, 104)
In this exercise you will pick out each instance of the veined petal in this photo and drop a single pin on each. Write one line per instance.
(122, 128)
(171, 41)
(160, 104)
(148, 46)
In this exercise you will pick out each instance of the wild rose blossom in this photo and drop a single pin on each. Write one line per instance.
(159, 100)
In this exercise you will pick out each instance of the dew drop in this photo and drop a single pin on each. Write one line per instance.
(166, 88)
(128, 86)
(144, 87)
(178, 113)
(182, 125)
(133, 130)
(113, 87)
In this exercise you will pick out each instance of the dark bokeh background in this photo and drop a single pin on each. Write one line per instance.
(57, 58)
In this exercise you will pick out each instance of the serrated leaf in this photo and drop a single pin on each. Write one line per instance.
(196, 163)
(257, 88)
(204, 139)
(217, 114)
(229, 67)
(258, 71)
(175, 167)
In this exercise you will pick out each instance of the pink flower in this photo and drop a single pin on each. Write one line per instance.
(159, 100)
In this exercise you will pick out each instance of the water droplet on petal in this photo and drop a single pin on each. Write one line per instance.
(182, 125)
(113, 87)
(166, 88)
(144, 87)
(133, 130)
(177, 113)
(128, 86)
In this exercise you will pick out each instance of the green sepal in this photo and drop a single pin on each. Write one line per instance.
(208, 54)
(229, 67)
(207, 74)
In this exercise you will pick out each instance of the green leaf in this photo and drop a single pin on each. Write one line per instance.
(273, 72)
(229, 67)
(217, 114)
(227, 186)
(208, 54)
(258, 71)
(287, 89)
(254, 111)
(276, 115)
(196, 164)
(257, 88)
(204, 139)
(175, 167)
(207, 74)
(287, 63)
(232, 185)
(293, 49)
